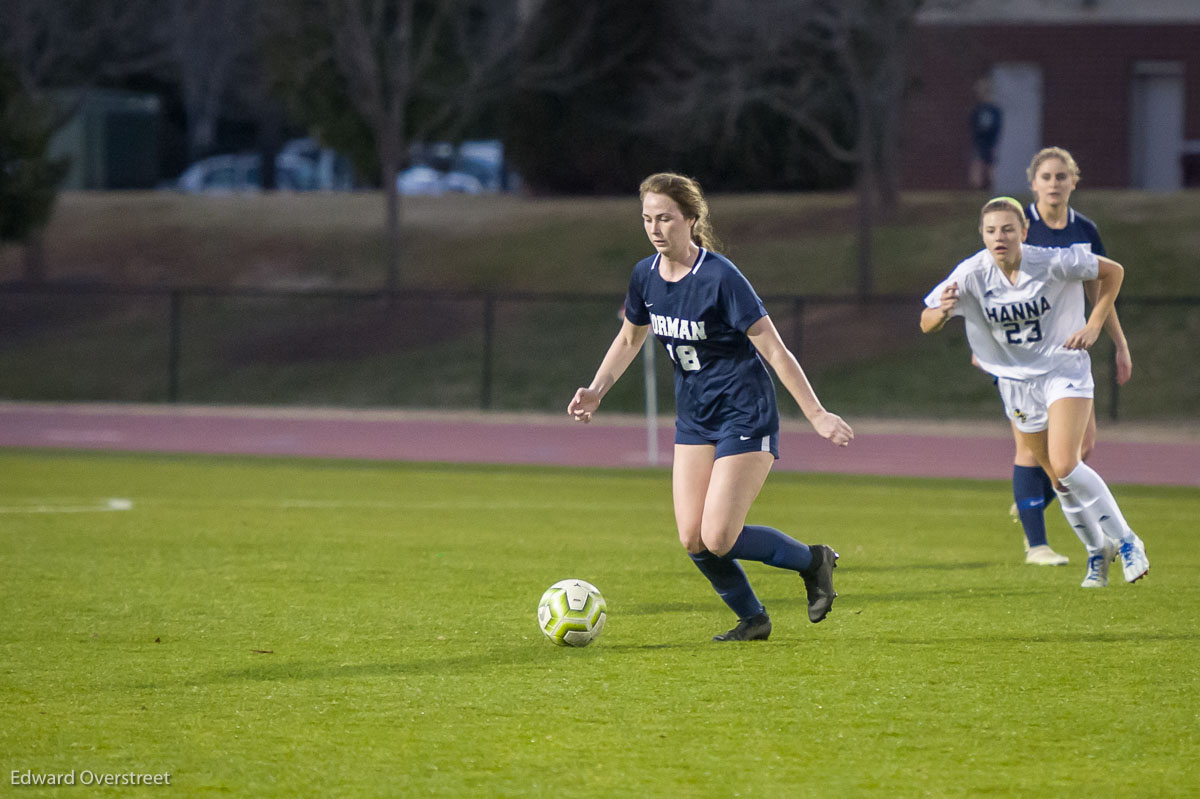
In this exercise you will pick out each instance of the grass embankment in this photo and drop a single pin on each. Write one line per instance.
(865, 359)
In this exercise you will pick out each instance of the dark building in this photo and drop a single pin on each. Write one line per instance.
(111, 139)
(1119, 88)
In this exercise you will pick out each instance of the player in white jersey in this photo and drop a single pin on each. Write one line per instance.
(1024, 313)
(1053, 176)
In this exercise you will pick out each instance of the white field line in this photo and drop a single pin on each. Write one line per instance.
(308, 504)
(452, 505)
(964, 511)
(117, 504)
(120, 504)
(105, 506)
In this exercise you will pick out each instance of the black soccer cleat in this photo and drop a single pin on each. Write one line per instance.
(756, 628)
(818, 582)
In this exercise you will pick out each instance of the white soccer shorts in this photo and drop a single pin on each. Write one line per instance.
(1027, 402)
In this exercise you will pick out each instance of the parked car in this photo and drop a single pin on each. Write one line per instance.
(332, 170)
(219, 173)
(300, 165)
(427, 181)
(472, 167)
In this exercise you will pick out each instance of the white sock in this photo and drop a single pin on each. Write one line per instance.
(1097, 502)
(1087, 530)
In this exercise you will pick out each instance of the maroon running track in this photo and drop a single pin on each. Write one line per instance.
(977, 450)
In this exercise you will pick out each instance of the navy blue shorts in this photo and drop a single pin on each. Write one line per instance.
(985, 151)
(733, 445)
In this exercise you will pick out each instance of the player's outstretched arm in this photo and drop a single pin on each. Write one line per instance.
(621, 353)
(765, 338)
(934, 319)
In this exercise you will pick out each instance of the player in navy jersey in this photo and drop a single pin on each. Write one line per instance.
(1053, 176)
(718, 335)
(1024, 313)
(987, 120)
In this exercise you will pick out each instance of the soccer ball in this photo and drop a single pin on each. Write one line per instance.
(572, 613)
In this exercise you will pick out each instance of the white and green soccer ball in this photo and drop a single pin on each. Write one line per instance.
(572, 613)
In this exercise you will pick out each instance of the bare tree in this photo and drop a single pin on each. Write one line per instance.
(870, 41)
(416, 69)
(835, 69)
(42, 41)
(209, 44)
(69, 45)
(205, 45)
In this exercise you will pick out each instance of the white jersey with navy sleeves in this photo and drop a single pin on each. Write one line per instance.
(1018, 330)
(722, 386)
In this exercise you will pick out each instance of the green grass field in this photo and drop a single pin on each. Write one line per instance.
(260, 627)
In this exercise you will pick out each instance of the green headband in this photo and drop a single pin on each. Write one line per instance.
(1010, 202)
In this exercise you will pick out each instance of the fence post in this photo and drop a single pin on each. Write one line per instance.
(648, 375)
(174, 344)
(489, 326)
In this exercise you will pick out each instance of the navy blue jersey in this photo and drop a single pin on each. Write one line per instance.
(722, 386)
(986, 121)
(1079, 230)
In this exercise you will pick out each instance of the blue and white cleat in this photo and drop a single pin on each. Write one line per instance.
(1097, 566)
(1133, 560)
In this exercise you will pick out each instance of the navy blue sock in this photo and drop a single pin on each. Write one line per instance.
(768, 545)
(1030, 495)
(730, 583)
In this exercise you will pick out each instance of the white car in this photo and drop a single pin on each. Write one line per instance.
(299, 166)
(426, 181)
